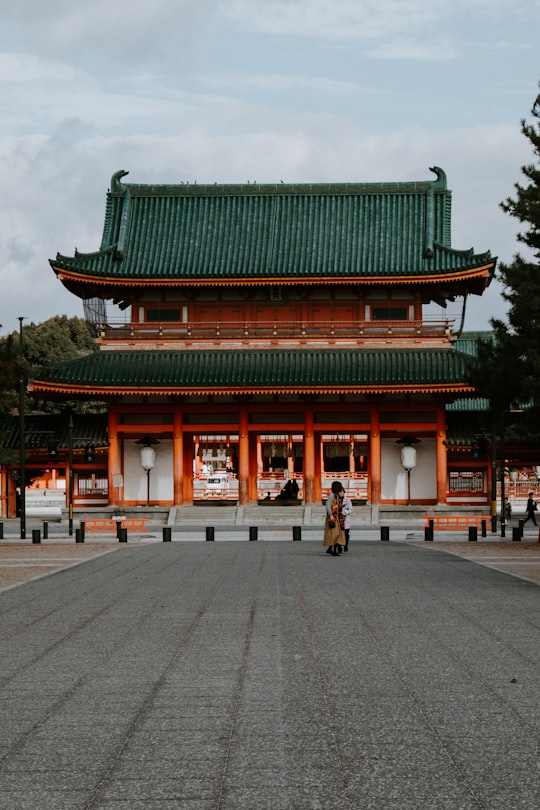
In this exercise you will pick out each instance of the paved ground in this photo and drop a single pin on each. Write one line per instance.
(270, 675)
(21, 561)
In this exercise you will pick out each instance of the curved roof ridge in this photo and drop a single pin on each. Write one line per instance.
(189, 188)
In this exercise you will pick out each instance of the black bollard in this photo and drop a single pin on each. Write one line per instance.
(484, 528)
(36, 536)
(82, 526)
(253, 532)
(385, 532)
(516, 534)
(494, 523)
(521, 524)
(296, 532)
(79, 536)
(122, 535)
(1, 531)
(118, 528)
(503, 529)
(209, 532)
(167, 534)
(473, 533)
(45, 530)
(428, 532)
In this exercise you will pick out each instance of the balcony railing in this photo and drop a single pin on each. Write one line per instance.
(275, 330)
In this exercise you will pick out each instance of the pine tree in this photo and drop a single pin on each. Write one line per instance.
(507, 371)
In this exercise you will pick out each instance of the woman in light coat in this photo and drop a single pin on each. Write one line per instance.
(346, 511)
(334, 533)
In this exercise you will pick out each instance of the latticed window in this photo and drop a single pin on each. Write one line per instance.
(467, 481)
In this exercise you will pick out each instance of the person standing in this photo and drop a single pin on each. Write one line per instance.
(346, 511)
(334, 534)
(530, 509)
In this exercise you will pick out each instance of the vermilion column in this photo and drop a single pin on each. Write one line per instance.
(187, 468)
(253, 470)
(309, 456)
(243, 456)
(178, 458)
(442, 467)
(375, 456)
(114, 457)
(3, 498)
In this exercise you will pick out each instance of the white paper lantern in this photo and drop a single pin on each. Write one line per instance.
(408, 457)
(148, 457)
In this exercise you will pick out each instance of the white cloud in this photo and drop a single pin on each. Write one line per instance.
(265, 90)
(54, 188)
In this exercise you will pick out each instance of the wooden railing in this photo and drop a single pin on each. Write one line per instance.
(229, 330)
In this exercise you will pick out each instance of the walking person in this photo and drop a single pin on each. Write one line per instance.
(334, 533)
(530, 509)
(346, 511)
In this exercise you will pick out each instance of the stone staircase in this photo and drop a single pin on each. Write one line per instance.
(274, 517)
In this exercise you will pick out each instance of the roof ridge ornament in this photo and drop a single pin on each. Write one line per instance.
(440, 182)
(116, 185)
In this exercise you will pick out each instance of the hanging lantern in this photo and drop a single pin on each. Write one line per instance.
(408, 452)
(147, 453)
(148, 458)
(408, 457)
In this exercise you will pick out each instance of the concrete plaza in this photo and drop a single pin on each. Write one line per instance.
(270, 675)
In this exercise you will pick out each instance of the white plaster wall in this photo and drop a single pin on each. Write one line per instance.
(394, 477)
(161, 476)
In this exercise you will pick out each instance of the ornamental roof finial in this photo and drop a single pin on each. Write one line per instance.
(116, 185)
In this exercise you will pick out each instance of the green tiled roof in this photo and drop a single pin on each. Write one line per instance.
(88, 429)
(187, 233)
(469, 405)
(227, 371)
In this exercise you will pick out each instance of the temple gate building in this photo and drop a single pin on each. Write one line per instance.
(254, 335)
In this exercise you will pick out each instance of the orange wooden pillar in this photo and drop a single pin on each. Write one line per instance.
(178, 458)
(375, 457)
(3, 493)
(114, 468)
(317, 483)
(188, 450)
(442, 466)
(243, 456)
(253, 469)
(309, 456)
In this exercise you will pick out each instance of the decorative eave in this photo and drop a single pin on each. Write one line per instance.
(42, 389)
(483, 272)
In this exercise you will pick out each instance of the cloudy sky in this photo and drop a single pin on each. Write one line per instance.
(258, 90)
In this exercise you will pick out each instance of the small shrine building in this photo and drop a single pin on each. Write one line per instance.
(272, 333)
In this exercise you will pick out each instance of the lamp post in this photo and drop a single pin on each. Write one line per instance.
(408, 459)
(22, 443)
(494, 474)
(70, 474)
(147, 460)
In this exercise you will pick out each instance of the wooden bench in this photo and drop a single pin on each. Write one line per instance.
(108, 526)
(453, 522)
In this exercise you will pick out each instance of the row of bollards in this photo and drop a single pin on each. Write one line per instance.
(121, 532)
(253, 533)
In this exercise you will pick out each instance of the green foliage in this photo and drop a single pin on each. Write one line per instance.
(507, 370)
(13, 368)
(58, 339)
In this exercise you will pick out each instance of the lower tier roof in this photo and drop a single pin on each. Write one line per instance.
(106, 374)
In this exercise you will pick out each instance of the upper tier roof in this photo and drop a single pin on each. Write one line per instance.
(185, 234)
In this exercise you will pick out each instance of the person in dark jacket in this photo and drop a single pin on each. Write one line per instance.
(530, 509)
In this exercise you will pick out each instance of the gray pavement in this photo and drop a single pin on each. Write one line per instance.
(270, 675)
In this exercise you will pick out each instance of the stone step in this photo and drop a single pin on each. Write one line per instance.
(260, 516)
